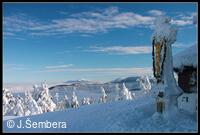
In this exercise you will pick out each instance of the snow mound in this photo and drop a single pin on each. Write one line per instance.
(188, 57)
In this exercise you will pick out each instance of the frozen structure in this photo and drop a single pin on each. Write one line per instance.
(74, 100)
(163, 38)
(185, 66)
(125, 94)
(103, 96)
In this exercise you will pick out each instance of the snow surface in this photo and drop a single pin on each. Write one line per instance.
(119, 116)
(188, 57)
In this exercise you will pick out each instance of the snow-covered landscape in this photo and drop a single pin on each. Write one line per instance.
(117, 113)
(164, 101)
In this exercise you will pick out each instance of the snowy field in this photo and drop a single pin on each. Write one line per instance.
(120, 116)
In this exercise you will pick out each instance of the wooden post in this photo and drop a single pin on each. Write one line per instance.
(160, 103)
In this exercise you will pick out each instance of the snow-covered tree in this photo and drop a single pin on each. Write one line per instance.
(45, 99)
(36, 92)
(91, 100)
(57, 102)
(145, 84)
(63, 104)
(103, 97)
(9, 102)
(31, 105)
(117, 92)
(74, 100)
(86, 101)
(56, 97)
(125, 94)
(18, 109)
(66, 102)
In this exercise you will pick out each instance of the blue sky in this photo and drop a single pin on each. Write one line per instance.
(57, 42)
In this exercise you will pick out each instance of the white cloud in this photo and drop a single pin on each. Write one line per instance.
(84, 22)
(122, 50)
(113, 71)
(59, 66)
(182, 22)
(89, 22)
(184, 19)
(156, 12)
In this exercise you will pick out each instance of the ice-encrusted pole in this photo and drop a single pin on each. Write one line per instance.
(163, 37)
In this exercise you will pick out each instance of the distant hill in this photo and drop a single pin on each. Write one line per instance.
(125, 80)
(109, 87)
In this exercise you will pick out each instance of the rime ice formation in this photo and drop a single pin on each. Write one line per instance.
(117, 94)
(125, 94)
(103, 97)
(9, 102)
(163, 38)
(74, 100)
(86, 101)
(164, 30)
(44, 99)
(145, 84)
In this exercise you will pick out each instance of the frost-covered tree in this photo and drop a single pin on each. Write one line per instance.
(36, 92)
(57, 102)
(125, 94)
(91, 100)
(44, 100)
(9, 102)
(56, 97)
(18, 109)
(5, 101)
(117, 92)
(31, 105)
(63, 104)
(145, 84)
(86, 101)
(103, 97)
(74, 100)
(66, 102)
